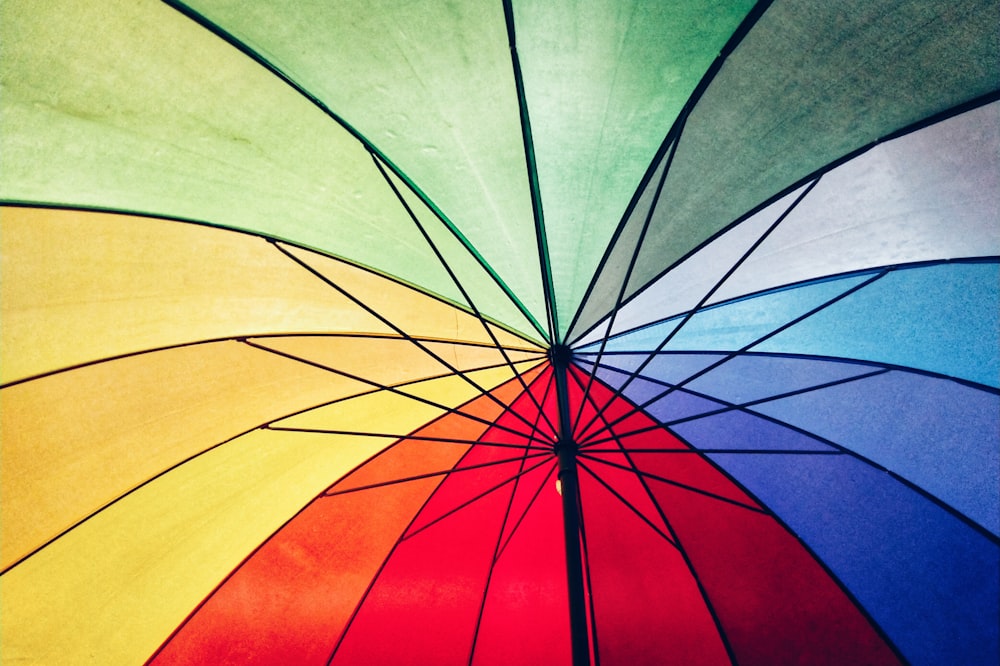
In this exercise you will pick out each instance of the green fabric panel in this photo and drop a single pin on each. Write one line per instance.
(622, 252)
(812, 81)
(486, 295)
(604, 81)
(132, 106)
(431, 86)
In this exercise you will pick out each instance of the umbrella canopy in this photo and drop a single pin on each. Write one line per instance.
(430, 332)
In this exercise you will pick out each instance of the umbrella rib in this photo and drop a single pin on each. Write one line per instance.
(632, 467)
(381, 568)
(460, 287)
(816, 558)
(545, 395)
(428, 475)
(533, 186)
(119, 498)
(634, 257)
(19, 203)
(925, 263)
(704, 299)
(386, 336)
(702, 452)
(524, 513)
(447, 440)
(260, 336)
(731, 355)
(841, 449)
(676, 542)
(624, 501)
(483, 494)
(732, 406)
(580, 359)
(493, 563)
(489, 395)
(392, 389)
(662, 479)
(368, 145)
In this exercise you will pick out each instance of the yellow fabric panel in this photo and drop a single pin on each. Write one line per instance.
(395, 414)
(390, 361)
(112, 590)
(417, 317)
(75, 440)
(449, 390)
(80, 286)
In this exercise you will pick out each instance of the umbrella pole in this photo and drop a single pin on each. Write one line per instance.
(566, 449)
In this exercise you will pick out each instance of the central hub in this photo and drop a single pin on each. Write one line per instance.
(560, 355)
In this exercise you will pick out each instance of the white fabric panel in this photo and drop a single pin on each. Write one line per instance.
(683, 287)
(932, 194)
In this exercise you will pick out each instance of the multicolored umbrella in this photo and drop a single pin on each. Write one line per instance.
(506, 332)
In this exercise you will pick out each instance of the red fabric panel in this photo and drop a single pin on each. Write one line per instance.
(466, 487)
(776, 604)
(647, 605)
(590, 425)
(625, 483)
(425, 603)
(526, 618)
(527, 488)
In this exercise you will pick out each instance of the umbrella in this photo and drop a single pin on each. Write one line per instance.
(500, 332)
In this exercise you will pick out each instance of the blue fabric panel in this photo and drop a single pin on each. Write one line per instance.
(740, 430)
(937, 433)
(943, 318)
(749, 377)
(927, 578)
(646, 338)
(677, 405)
(666, 367)
(736, 324)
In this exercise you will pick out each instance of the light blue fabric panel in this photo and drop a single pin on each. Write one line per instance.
(674, 404)
(750, 377)
(942, 318)
(734, 325)
(737, 429)
(666, 367)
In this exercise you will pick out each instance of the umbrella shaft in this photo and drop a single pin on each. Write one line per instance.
(574, 559)
(566, 451)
